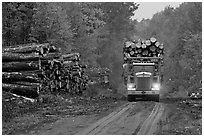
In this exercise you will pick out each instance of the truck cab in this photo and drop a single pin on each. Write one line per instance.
(144, 81)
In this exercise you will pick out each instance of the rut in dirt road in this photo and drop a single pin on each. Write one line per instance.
(98, 126)
(149, 125)
(132, 118)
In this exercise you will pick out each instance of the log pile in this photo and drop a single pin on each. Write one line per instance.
(65, 74)
(33, 68)
(75, 79)
(143, 48)
(18, 66)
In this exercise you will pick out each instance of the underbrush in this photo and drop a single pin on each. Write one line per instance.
(13, 107)
(102, 90)
(52, 107)
(184, 116)
(94, 95)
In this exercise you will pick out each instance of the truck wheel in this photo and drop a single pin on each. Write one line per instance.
(130, 98)
(157, 98)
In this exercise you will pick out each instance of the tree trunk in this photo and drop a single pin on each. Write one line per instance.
(27, 91)
(69, 57)
(20, 66)
(51, 56)
(12, 57)
(39, 73)
(69, 63)
(54, 49)
(8, 77)
(27, 48)
(26, 83)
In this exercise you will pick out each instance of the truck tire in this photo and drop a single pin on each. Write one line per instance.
(130, 98)
(157, 98)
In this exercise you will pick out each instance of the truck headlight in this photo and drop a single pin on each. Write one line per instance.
(131, 86)
(155, 86)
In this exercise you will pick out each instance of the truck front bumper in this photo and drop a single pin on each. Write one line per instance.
(135, 92)
(143, 95)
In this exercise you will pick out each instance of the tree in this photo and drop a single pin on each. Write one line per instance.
(17, 18)
(118, 25)
(52, 25)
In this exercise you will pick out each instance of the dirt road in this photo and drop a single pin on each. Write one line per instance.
(133, 118)
(169, 117)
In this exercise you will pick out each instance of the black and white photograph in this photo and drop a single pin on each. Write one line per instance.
(101, 68)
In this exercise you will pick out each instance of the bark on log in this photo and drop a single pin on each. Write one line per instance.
(70, 55)
(51, 56)
(74, 58)
(14, 96)
(26, 84)
(54, 49)
(11, 57)
(69, 63)
(20, 66)
(26, 48)
(35, 72)
(51, 63)
(8, 77)
(27, 91)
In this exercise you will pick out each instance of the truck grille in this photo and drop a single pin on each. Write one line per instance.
(143, 83)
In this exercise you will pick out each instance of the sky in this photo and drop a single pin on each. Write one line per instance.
(147, 9)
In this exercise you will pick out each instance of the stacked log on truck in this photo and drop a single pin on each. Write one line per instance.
(143, 48)
(30, 69)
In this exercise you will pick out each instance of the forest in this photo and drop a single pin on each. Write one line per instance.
(98, 30)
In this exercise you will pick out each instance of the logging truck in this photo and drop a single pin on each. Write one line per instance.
(143, 70)
(144, 78)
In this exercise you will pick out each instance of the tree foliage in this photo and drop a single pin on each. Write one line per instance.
(17, 19)
(51, 24)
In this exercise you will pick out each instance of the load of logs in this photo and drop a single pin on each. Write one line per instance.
(143, 48)
(29, 69)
